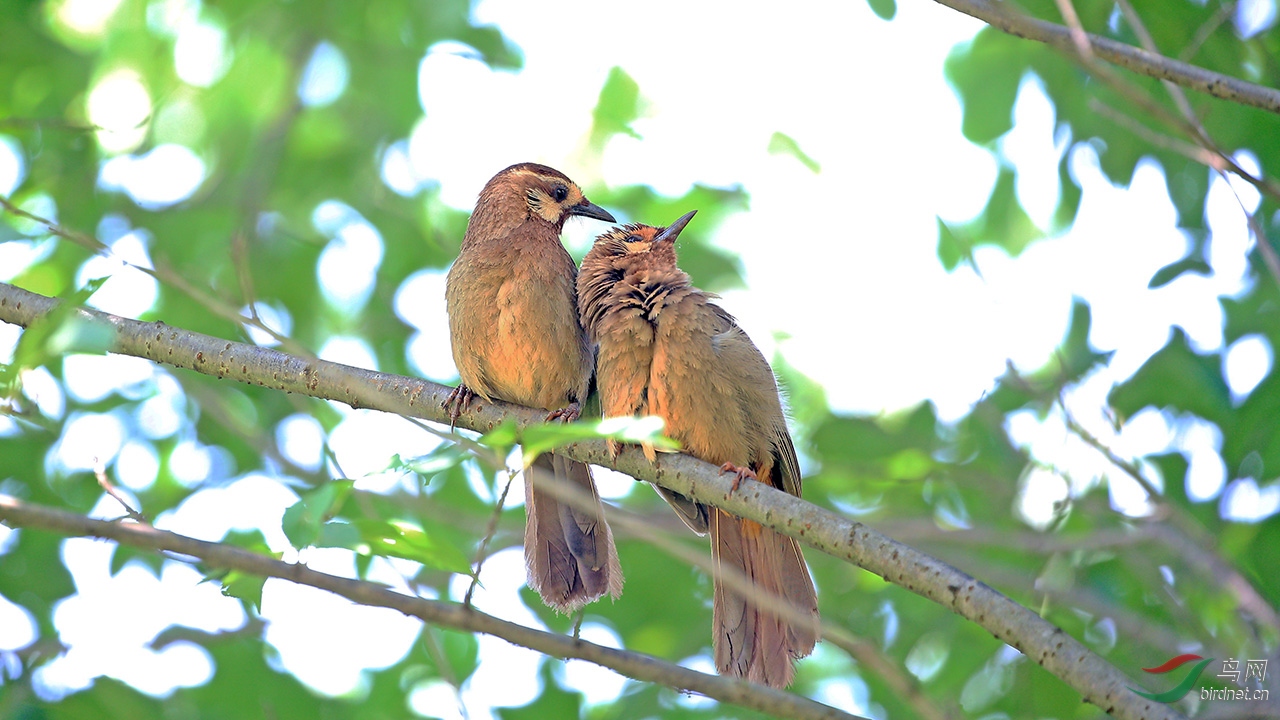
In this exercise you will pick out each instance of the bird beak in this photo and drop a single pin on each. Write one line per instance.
(591, 210)
(673, 230)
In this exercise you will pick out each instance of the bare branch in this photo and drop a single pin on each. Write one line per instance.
(1143, 62)
(16, 513)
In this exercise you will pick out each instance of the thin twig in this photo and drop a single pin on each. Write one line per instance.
(100, 472)
(1205, 30)
(489, 531)
(1191, 151)
(1078, 35)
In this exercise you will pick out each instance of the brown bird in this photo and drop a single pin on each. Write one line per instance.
(665, 349)
(513, 322)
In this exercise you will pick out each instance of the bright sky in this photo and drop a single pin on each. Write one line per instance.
(843, 262)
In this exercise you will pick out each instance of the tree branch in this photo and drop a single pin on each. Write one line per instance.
(1184, 532)
(16, 513)
(1062, 655)
(1006, 18)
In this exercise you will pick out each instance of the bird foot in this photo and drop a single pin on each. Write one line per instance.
(457, 403)
(568, 413)
(740, 474)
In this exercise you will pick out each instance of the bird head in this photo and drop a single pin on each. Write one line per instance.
(627, 260)
(639, 245)
(530, 190)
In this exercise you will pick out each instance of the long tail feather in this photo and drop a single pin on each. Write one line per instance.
(750, 641)
(569, 553)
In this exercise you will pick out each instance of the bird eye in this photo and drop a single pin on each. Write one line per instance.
(560, 192)
(632, 238)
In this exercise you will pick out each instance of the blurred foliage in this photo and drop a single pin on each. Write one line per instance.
(251, 234)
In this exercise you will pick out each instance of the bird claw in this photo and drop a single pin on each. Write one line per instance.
(457, 403)
(568, 413)
(740, 473)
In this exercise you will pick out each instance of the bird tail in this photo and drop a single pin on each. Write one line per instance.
(568, 552)
(749, 640)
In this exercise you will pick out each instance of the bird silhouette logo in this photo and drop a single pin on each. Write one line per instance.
(1180, 690)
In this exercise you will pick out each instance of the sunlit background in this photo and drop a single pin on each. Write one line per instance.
(841, 264)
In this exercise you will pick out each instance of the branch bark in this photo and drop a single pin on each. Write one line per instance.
(16, 513)
(1097, 681)
(1002, 16)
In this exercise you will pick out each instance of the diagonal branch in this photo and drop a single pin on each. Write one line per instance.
(16, 513)
(1097, 681)
(1002, 16)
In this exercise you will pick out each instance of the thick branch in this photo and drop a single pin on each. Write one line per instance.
(1059, 653)
(1004, 17)
(16, 513)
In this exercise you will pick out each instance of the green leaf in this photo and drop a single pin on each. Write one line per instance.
(985, 73)
(302, 520)
(124, 555)
(62, 332)
(553, 702)
(783, 144)
(1076, 354)
(1178, 378)
(547, 437)
(1170, 272)
(1069, 195)
(953, 248)
(619, 106)
(445, 456)
(502, 438)
(461, 651)
(1003, 223)
(251, 540)
(243, 587)
(885, 9)
(396, 539)
(338, 534)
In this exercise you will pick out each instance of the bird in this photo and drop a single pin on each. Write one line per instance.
(511, 299)
(664, 348)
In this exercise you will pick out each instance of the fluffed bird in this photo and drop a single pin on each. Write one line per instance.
(665, 349)
(513, 323)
